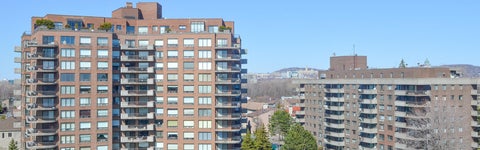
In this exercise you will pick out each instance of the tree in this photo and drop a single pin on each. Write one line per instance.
(1, 108)
(45, 22)
(299, 138)
(247, 143)
(105, 26)
(280, 123)
(12, 145)
(261, 139)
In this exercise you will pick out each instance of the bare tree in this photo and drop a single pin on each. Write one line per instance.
(274, 88)
(435, 125)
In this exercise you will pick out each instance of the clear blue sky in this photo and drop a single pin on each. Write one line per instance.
(281, 34)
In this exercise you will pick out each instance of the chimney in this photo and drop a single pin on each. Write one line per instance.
(129, 5)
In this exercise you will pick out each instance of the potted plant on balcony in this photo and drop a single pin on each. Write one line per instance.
(76, 26)
(105, 26)
(224, 29)
(45, 22)
(67, 26)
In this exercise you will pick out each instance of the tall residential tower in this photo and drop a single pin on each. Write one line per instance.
(144, 82)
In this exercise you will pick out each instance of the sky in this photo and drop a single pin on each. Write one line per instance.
(281, 34)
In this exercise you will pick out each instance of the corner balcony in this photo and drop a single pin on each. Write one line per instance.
(475, 145)
(412, 92)
(335, 134)
(228, 57)
(410, 104)
(227, 81)
(17, 60)
(36, 44)
(133, 47)
(300, 120)
(40, 119)
(332, 142)
(300, 89)
(35, 106)
(229, 140)
(228, 69)
(369, 140)
(137, 115)
(40, 56)
(17, 49)
(44, 94)
(41, 132)
(336, 108)
(149, 127)
(369, 101)
(136, 70)
(136, 81)
(369, 130)
(475, 134)
(228, 92)
(228, 105)
(336, 117)
(334, 125)
(137, 139)
(135, 104)
(136, 93)
(474, 113)
(369, 111)
(475, 124)
(406, 136)
(40, 145)
(474, 92)
(474, 102)
(42, 81)
(228, 128)
(228, 116)
(136, 58)
(369, 120)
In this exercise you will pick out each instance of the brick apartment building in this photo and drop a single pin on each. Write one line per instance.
(354, 107)
(147, 83)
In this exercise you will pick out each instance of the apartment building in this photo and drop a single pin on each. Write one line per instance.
(354, 107)
(144, 83)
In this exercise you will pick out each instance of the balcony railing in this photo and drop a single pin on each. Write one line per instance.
(228, 69)
(136, 58)
(133, 47)
(149, 127)
(40, 145)
(41, 81)
(228, 92)
(227, 80)
(136, 81)
(137, 116)
(233, 57)
(17, 49)
(136, 93)
(232, 116)
(368, 101)
(412, 92)
(336, 143)
(40, 119)
(35, 106)
(41, 93)
(41, 132)
(367, 91)
(137, 104)
(233, 127)
(227, 104)
(137, 139)
(36, 44)
(136, 69)
(229, 140)
(41, 56)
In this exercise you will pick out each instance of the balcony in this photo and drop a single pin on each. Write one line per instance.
(475, 134)
(369, 101)
(300, 90)
(369, 120)
(336, 108)
(410, 104)
(40, 145)
(232, 116)
(400, 146)
(133, 47)
(300, 112)
(137, 139)
(149, 127)
(35, 106)
(41, 56)
(412, 92)
(136, 58)
(334, 116)
(474, 92)
(36, 44)
(336, 99)
(136, 70)
(228, 128)
(17, 70)
(17, 49)
(40, 119)
(228, 57)
(475, 124)
(41, 81)
(474, 113)
(228, 92)
(227, 105)
(475, 145)
(400, 124)
(17, 60)
(134, 104)
(335, 134)
(334, 125)
(228, 69)
(369, 110)
(136, 92)
(227, 81)
(336, 143)
(369, 140)
(474, 102)
(300, 120)
(367, 91)
(42, 68)
(229, 140)
(369, 130)
(403, 135)
(135, 148)
(41, 132)
(136, 81)
(137, 115)
(42, 94)
(334, 90)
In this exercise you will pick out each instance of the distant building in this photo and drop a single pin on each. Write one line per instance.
(354, 107)
(10, 129)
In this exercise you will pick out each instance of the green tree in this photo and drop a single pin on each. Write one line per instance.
(12, 145)
(299, 138)
(105, 26)
(261, 139)
(1, 108)
(280, 122)
(247, 143)
(45, 22)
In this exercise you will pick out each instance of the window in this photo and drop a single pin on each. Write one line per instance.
(67, 40)
(213, 29)
(204, 89)
(204, 42)
(85, 53)
(159, 66)
(67, 114)
(67, 90)
(143, 43)
(102, 125)
(188, 124)
(130, 29)
(159, 100)
(188, 65)
(204, 100)
(172, 77)
(102, 113)
(204, 77)
(188, 54)
(84, 101)
(188, 135)
(85, 125)
(172, 100)
(158, 43)
(102, 77)
(197, 27)
(159, 88)
(68, 65)
(154, 28)
(116, 54)
(102, 89)
(188, 147)
(222, 42)
(172, 54)
(102, 65)
(85, 40)
(119, 27)
(182, 27)
(84, 89)
(172, 42)
(204, 136)
(188, 43)
(101, 147)
(67, 126)
(164, 29)
(188, 89)
(205, 124)
(67, 102)
(85, 138)
(143, 30)
(159, 111)
(67, 52)
(188, 100)
(67, 77)
(204, 54)
(67, 139)
(204, 112)
(172, 124)
(85, 65)
(205, 65)
(188, 112)
(84, 77)
(102, 101)
(172, 65)
(204, 146)
(48, 40)
(102, 41)
(102, 53)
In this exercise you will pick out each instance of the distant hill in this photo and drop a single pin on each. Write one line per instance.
(294, 69)
(468, 70)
